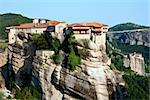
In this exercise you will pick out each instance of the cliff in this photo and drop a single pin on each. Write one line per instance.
(132, 37)
(135, 62)
(91, 80)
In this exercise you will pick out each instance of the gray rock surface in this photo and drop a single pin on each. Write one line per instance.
(139, 37)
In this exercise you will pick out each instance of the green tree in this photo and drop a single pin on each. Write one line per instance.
(56, 58)
(40, 41)
(73, 60)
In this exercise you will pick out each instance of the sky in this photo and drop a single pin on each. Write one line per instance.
(110, 12)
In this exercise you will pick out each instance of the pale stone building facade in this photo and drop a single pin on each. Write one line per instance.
(93, 31)
(35, 27)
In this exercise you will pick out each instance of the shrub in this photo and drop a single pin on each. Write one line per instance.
(56, 58)
(73, 60)
(3, 45)
(56, 45)
(40, 41)
(28, 93)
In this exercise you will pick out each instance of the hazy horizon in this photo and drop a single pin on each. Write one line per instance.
(110, 12)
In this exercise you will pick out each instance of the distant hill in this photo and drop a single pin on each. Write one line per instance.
(10, 19)
(126, 26)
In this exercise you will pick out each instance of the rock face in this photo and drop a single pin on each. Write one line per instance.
(139, 37)
(20, 61)
(3, 62)
(3, 58)
(42, 73)
(135, 62)
(89, 81)
(92, 80)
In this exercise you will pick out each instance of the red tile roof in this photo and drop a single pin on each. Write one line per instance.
(76, 25)
(53, 22)
(95, 24)
(88, 24)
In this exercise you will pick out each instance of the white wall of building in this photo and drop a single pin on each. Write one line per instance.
(101, 40)
(82, 36)
(11, 36)
(37, 30)
(59, 28)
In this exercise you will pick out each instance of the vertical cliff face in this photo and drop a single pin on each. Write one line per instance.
(133, 37)
(3, 61)
(92, 80)
(3, 57)
(135, 62)
(42, 75)
(20, 59)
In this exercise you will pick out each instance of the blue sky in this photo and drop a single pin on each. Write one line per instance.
(111, 12)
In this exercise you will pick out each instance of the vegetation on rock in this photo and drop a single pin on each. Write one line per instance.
(3, 44)
(136, 85)
(40, 41)
(56, 58)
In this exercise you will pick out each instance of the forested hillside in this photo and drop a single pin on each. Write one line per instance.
(10, 19)
(126, 26)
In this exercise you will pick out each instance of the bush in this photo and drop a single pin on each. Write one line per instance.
(40, 41)
(56, 58)
(29, 93)
(56, 45)
(73, 60)
(3, 45)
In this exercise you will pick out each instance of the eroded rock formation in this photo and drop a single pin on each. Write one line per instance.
(139, 37)
(135, 62)
(92, 80)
